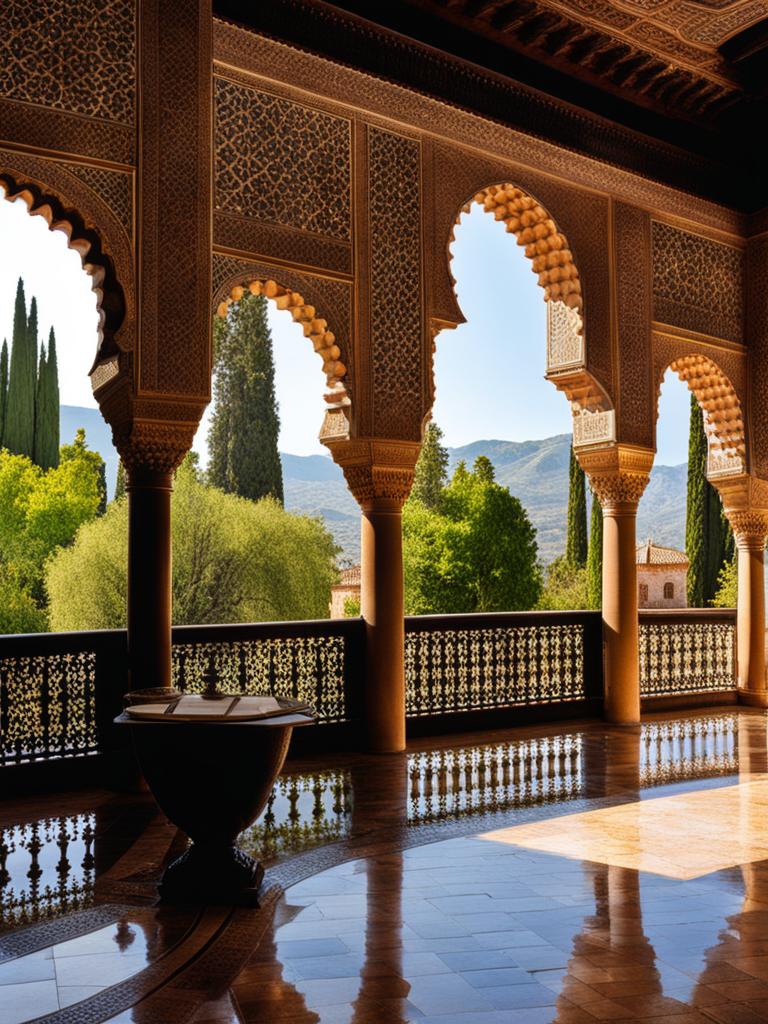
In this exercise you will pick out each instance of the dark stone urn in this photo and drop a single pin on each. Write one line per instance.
(212, 777)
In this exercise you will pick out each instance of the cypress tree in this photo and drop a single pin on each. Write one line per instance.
(120, 482)
(576, 533)
(696, 508)
(431, 473)
(709, 540)
(3, 390)
(40, 416)
(47, 407)
(595, 555)
(53, 438)
(242, 440)
(22, 380)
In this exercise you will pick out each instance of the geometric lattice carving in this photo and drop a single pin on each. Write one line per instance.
(565, 344)
(306, 668)
(47, 706)
(697, 283)
(115, 188)
(686, 657)
(281, 162)
(394, 197)
(455, 670)
(77, 57)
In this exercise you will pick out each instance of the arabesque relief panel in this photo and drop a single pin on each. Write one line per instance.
(281, 162)
(74, 57)
(396, 329)
(698, 284)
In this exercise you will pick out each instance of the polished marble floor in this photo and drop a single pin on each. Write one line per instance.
(572, 873)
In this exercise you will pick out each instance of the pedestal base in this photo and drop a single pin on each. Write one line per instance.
(753, 698)
(212, 874)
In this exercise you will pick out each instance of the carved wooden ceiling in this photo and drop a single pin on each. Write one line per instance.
(671, 88)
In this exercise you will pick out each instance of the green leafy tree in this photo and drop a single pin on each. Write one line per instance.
(595, 556)
(708, 537)
(351, 607)
(576, 528)
(477, 553)
(566, 587)
(18, 611)
(242, 440)
(39, 512)
(3, 390)
(431, 473)
(22, 380)
(234, 560)
(47, 407)
(727, 592)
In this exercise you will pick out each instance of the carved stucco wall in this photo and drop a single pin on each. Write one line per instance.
(632, 248)
(698, 284)
(757, 339)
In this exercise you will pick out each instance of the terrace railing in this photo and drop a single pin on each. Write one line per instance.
(460, 663)
(687, 651)
(60, 691)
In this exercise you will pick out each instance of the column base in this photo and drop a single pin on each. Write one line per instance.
(753, 698)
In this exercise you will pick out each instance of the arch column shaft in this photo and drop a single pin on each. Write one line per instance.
(750, 627)
(149, 578)
(620, 620)
(618, 476)
(750, 529)
(382, 610)
(380, 475)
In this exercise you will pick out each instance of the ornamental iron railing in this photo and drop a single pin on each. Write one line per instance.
(687, 651)
(60, 691)
(456, 663)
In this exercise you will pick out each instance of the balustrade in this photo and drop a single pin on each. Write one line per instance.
(60, 692)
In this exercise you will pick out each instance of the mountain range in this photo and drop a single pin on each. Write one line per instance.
(535, 471)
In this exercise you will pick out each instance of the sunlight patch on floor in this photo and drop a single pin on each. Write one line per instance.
(683, 836)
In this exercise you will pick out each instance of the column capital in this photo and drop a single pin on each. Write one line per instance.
(618, 474)
(750, 528)
(379, 472)
(153, 446)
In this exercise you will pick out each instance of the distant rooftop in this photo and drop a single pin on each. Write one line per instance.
(349, 577)
(653, 554)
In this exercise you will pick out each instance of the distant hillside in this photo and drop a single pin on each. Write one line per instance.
(535, 471)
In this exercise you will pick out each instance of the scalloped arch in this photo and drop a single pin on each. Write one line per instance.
(552, 260)
(723, 415)
(114, 309)
(315, 328)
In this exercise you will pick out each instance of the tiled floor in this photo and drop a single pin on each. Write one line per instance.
(573, 874)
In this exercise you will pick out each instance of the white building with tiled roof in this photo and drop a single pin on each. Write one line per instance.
(348, 588)
(661, 576)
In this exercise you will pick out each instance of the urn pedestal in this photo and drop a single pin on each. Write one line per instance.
(211, 774)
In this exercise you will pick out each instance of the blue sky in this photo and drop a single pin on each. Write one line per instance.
(489, 372)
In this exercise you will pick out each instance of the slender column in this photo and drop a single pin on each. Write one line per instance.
(381, 605)
(380, 475)
(619, 490)
(149, 577)
(750, 530)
